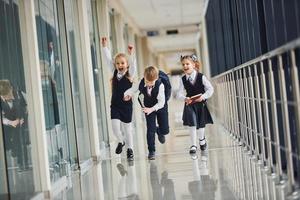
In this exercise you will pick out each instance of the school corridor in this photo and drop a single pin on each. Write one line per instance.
(66, 66)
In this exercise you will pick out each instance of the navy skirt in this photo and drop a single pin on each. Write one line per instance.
(196, 114)
(124, 113)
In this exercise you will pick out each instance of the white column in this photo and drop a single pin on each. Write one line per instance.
(35, 103)
(88, 77)
(103, 20)
(119, 26)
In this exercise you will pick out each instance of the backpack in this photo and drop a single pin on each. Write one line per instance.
(166, 81)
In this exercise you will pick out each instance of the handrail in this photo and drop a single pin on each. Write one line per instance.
(282, 49)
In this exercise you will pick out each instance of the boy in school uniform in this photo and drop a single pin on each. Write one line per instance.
(154, 106)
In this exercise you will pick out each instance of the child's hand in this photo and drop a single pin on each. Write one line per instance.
(127, 98)
(199, 99)
(104, 41)
(148, 111)
(188, 101)
(130, 49)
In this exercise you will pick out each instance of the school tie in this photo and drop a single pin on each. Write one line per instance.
(190, 79)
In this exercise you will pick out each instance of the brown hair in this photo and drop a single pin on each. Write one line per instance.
(5, 87)
(151, 73)
(192, 58)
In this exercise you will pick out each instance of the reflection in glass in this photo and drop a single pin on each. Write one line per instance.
(97, 74)
(76, 68)
(61, 143)
(15, 143)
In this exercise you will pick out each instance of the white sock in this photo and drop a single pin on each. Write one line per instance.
(117, 130)
(201, 136)
(128, 134)
(193, 134)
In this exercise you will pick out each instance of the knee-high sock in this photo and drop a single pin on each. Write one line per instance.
(117, 130)
(128, 134)
(193, 135)
(201, 136)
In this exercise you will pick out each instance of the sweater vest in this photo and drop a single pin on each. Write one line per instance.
(150, 100)
(118, 89)
(193, 88)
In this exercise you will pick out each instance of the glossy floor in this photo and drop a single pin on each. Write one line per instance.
(174, 174)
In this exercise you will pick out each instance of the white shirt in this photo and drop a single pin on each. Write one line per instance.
(160, 97)
(209, 90)
(110, 63)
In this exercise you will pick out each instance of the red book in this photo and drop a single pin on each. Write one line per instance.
(193, 98)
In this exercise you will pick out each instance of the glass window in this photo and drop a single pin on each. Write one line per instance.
(54, 72)
(97, 72)
(77, 79)
(15, 140)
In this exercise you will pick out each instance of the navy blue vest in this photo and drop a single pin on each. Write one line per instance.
(193, 89)
(118, 89)
(150, 100)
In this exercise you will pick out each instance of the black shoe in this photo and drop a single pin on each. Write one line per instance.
(121, 169)
(129, 154)
(120, 147)
(203, 147)
(151, 155)
(161, 139)
(193, 149)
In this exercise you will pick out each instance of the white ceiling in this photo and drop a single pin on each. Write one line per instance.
(155, 14)
(162, 15)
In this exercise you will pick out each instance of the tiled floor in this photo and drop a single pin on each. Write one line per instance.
(174, 174)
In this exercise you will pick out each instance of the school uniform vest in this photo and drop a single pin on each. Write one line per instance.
(118, 89)
(150, 100)
(194, 88)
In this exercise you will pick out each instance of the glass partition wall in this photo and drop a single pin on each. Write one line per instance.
(17, 172)
(64, 95)
(97, 72)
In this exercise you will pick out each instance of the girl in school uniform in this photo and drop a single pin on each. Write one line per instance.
(123, 69)
(197, 90)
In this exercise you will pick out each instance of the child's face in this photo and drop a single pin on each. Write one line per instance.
(150, 83)
(121, 64)
(188, 66)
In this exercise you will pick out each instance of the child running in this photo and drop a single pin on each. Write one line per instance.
(155, 106)
(123, 69)
(198, 89)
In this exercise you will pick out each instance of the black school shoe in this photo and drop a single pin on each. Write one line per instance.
(161, 139)
(151, 155)
(203, 146)
(193, 149)
(129, 154)
(120, 147)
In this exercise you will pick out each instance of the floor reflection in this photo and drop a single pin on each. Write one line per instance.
(163, 188)
(203, 186)
(127, 187)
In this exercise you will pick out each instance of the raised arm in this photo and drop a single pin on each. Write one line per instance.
(107, 55)
(131, 61)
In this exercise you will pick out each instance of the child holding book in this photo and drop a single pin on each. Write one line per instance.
(198, 89)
